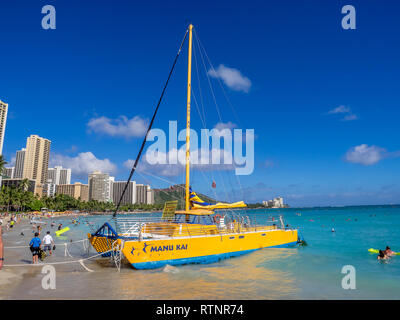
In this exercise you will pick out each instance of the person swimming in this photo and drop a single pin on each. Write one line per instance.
(388, 252)
(382, 255)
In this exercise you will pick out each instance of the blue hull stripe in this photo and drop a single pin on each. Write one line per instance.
(202, 259)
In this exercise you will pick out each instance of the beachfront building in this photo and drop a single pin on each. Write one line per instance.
(76, 190)
(130, 193)
(110, 188)
(59, 175)
(99, 186)
(19, 163)
(36, 161)
(144, 194)
(150, 196)
(49, 189)
(16, 183)
(3, 121)
(274, 203)
(9, 172)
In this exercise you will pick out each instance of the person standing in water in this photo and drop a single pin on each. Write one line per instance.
(48, 242)
(1, 249)
(35, 248)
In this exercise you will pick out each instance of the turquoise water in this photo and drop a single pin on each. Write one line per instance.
(310, 272)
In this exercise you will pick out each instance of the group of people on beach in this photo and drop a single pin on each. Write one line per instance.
(35, 246)
(385, 254)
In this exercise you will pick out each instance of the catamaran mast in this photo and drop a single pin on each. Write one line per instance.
(187, 205)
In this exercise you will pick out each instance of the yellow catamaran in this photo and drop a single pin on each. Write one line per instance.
(194, 235)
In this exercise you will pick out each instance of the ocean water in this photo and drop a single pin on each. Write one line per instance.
(309, 272)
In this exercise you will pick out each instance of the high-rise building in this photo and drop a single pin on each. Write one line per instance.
(3, 121)
(65, 176)
(144, 194)
(99, 186)
(19, 163)
(36, 160)
(149, 196)
(59, 175)
(9, 172)
(110, 188)
(141, 193)
(49, 189)
(130, 193)
(76, 190)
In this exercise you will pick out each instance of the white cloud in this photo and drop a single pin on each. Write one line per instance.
(11, 163)
(350, 117)
(343, 110)
(340, 109)
(365, 155)
(224, 127)
(231, 77)
(173, 162)
(228, 125)
(120, 127)
(83, 163)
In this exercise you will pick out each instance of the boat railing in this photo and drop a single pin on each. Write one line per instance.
(156, 227)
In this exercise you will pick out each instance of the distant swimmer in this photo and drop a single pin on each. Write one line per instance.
(388, 252)
(333, 229)
(382, 255)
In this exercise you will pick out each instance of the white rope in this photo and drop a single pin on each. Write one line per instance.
(67, 251)
(82, 264)
(57, 244)
(56, 263)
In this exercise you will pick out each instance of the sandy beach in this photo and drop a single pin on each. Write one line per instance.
(311, 272)
(18, 280)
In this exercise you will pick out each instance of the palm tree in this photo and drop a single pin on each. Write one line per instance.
(2, 164)
(24, 184)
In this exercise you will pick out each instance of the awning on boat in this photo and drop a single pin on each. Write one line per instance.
(198, 203)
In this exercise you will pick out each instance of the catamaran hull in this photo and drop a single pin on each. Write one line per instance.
(151, 254)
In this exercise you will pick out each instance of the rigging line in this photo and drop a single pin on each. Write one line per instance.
(151, 124)
(198, 81)
(162, 179)
(219, 81)
(160, 190)
(209, 81)
(217, 108)
(226, 97)
(198, 110)
(202, 105)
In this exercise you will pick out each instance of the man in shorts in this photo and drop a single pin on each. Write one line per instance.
(48, 242)
(35, 248)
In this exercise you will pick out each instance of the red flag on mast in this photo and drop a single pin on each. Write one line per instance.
(214, 185)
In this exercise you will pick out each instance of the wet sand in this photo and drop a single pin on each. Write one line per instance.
(222, 280)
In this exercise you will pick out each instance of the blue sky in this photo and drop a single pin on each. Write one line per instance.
(323, 101)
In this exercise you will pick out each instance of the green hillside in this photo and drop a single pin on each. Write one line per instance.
(176, 192)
